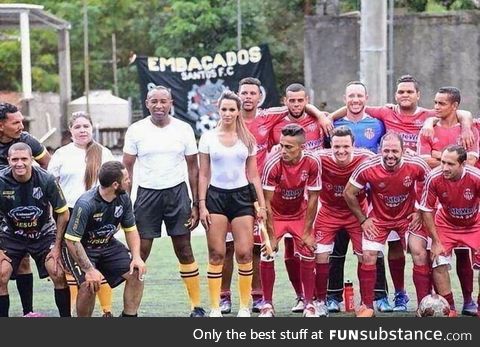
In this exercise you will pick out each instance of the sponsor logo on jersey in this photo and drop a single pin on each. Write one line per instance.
(37, 193)
(395, 200)
(97, 217)
(8, 194)
(292, 194)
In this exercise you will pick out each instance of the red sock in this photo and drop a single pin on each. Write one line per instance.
(368, 277)
(397, 271)
(321, 281)
(292, 263)
(421, 280)
(308, 279)
(267, 275)
(449, 298)
(465, 273)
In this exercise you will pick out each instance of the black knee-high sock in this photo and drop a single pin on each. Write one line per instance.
(25, 290)
(381, 289)
(4, 305)
(62, 299)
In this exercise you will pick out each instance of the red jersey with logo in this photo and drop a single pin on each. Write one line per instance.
(289, 183)
(408, 126)
(459, 200)
(334, 180)
(261, 126)
(442, 137)
(393, 192)
(313, 132)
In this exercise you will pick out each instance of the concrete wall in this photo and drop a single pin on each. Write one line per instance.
(38, 107)
(437, 49)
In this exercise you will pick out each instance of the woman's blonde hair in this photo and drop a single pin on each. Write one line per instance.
(93, 153)
(242, 131)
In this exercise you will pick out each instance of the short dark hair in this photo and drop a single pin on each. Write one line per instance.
(252, 81)
(390, 135)
(5, 108)
(110, 172)
(452, 92)
(462, 153)
(295, 87)
(343, 131)
(408, 79)
(351, 83)
(294, 130)
(19, 146)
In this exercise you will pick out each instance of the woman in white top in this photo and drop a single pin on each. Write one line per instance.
(228, 185)
(76, 167)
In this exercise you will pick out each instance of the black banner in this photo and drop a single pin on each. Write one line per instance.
(197, 82)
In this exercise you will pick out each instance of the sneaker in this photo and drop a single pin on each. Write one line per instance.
(469, 309)
(257, 305)
(225, 305)
(197, 312)
(364, 312)
(310, 311)
(267, 311)
(243, 312)
(299, 306)
(321, 308)
(215, 312)
(383, 305)
(34, 315)
(401, 299)
(333, 305)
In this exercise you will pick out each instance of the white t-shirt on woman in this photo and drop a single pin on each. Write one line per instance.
(68, 165)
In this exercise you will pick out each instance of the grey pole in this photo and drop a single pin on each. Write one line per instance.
(86, 58)
(239, 25)
(373, 49)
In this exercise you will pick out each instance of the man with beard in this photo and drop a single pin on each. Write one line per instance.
(27, 196)
(456, 187)
(393, 180)
(367, 132)
(93, 252)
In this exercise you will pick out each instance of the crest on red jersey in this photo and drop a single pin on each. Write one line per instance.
(407, 181)
(467, 194)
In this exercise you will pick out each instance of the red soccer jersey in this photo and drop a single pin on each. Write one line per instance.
(408, 126)
(442, 137)
(261, 126)
(289, 183)
(313, 132)
(393, 192)
(459, 200)
(334, 180)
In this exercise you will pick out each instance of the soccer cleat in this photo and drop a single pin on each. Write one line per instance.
(364, 312)
(243, 312)
(34, 315)
(267, 311)
(383, 305)
(299, 306)
(453, 314)
(333, 305)
(401, 299)
(215, 312)
(321, 308)
(310, 311)
(197, 312)
(107, 314)
(257, 305)
(225, 305)
(469, 309)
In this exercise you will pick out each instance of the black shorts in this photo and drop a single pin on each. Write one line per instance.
(17, 248)
(112, 260)
(231, 203)
(153, 207)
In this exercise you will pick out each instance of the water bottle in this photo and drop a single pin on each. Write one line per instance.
(348, 297)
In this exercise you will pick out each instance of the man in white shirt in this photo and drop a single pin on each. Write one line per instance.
(163, 146)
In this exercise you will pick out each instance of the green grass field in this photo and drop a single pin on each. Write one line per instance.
(165, 295)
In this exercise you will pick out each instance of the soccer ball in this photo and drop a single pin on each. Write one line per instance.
(433, 305)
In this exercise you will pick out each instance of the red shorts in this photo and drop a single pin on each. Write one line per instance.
(327, 227)
(294, 228)
(377, 243)
(452, 238)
